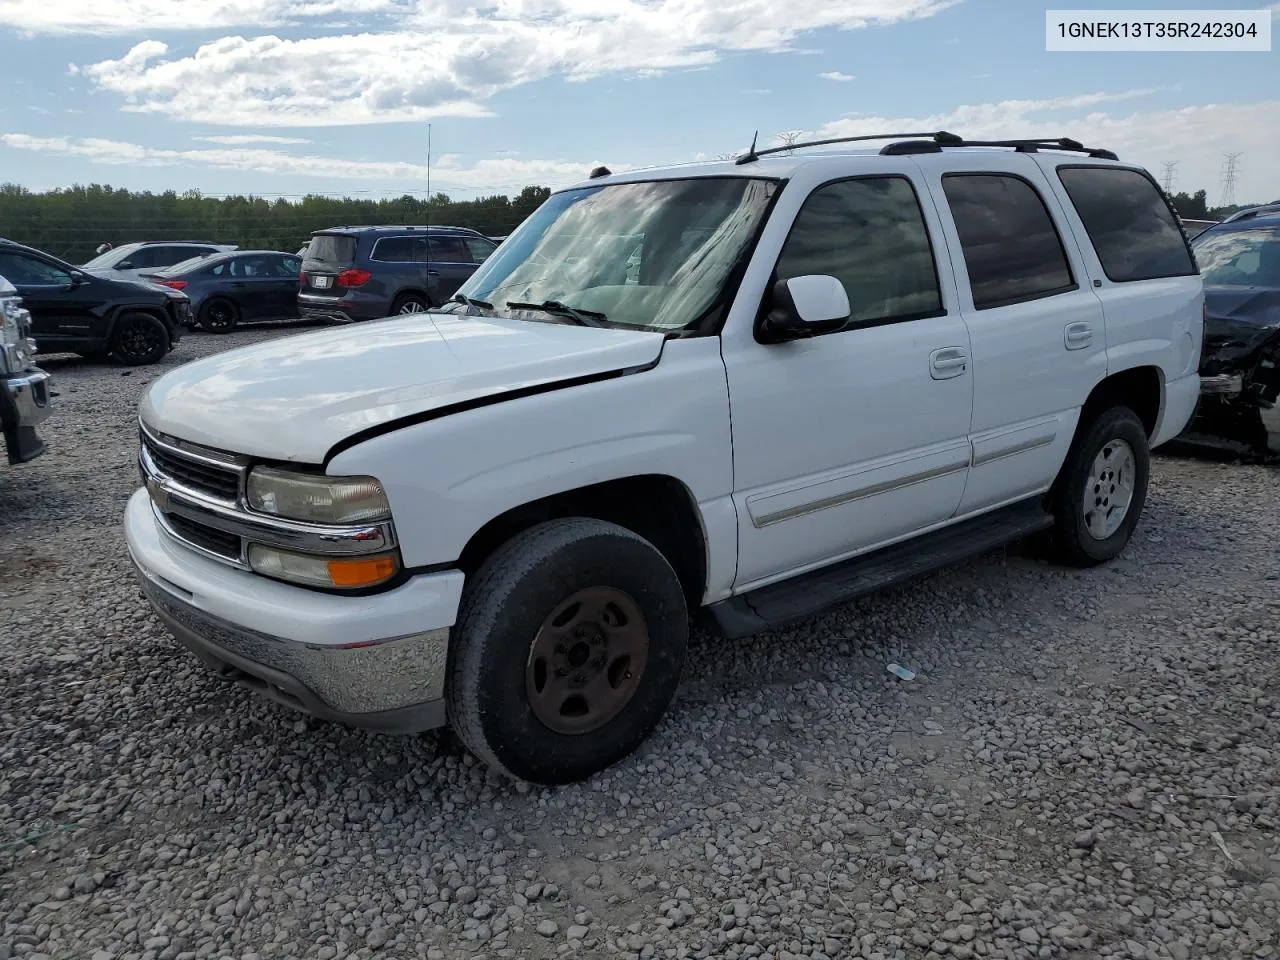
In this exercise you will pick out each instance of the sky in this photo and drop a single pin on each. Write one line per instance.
(289, 97)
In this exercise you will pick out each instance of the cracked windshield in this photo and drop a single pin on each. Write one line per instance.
(652, 255)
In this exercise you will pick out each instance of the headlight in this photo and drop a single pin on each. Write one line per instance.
(317, 499)
(15, 321)
(345, 573)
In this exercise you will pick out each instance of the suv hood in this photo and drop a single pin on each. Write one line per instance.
(292, 399)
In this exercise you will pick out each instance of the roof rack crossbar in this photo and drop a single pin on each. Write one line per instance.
(940, 137)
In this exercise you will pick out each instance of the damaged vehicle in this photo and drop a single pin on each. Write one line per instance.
(1240, 358)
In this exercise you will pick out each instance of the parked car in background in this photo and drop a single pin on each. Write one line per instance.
(74, 311)
(24, 387)
(134, 259)
(499, 239)
(228, 288)
(1240, 359)
(366, 273)
(832, 373)
(1195, 227)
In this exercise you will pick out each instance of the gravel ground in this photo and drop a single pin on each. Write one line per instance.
(1085, 765)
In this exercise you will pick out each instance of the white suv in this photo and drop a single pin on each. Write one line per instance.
(755, 389)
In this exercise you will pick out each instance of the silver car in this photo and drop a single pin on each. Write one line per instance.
(129, 261)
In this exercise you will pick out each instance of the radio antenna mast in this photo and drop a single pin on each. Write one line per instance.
(428, 180)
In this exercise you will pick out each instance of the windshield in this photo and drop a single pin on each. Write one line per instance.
(653, 255)
(1239, 258)
(110, 257)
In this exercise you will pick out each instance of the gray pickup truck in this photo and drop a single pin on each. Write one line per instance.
(24, 387)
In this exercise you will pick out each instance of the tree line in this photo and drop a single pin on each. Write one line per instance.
(71, 223)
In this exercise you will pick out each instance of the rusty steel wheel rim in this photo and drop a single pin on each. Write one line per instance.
(587, 660)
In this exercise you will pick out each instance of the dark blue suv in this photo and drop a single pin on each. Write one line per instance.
(366, 273)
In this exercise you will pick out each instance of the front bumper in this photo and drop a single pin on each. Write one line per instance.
(24, 405)
(376, 662)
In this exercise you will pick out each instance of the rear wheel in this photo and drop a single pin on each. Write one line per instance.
(219, 315)
(568, 650)
(410, 303)
(139, 339)
(1098, 497)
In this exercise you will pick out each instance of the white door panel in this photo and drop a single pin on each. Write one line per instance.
(1033, 360)
(848, 440)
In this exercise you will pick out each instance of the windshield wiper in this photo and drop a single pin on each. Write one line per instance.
(470, 301)
(583, 318)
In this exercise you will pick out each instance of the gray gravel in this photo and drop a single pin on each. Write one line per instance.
(1086, 764)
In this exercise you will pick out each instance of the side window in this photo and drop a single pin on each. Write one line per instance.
(253, 268)
(448, 250)
(1012, 250)
(168, 256)
(140, 259)
(394, 249)
(869, 234)
(287, 266)
(480, 249)
(221, 269)
(1129, 223)
(22, 270)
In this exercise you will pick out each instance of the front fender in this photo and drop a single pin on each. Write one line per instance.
(446, 478)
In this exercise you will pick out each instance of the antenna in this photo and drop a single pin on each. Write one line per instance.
(751, 154)
(1229, 172)
(428, 224)
(1168, 175)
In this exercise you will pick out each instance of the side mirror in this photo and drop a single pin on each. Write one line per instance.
(78, 277)
(124, 265)
(805, 307)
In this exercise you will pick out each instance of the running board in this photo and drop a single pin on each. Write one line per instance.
(811, 593)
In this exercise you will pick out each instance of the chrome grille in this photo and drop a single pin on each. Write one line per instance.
(201, 475)
(205, 537)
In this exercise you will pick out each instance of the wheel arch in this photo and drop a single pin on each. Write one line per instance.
(658, 507)
(121, 310)
(412, 291)
(1140, 388)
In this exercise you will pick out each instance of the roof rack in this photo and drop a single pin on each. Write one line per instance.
(934, 142)
(1251, 213)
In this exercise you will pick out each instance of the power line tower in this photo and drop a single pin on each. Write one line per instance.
(1169, 176)
(789, 139)
(1230, 170)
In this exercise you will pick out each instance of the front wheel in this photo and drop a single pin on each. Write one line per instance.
(1098, 497)
(139, 339)
(568, 650)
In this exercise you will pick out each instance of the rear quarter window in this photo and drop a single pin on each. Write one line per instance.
(1129, 223)
(332, 248)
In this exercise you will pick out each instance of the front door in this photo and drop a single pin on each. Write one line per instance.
(1035, 322)
(66, 311)
(850, 440)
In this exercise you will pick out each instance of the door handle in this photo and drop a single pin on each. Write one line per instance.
(948, 362)
(433, 273)
(1077, 336)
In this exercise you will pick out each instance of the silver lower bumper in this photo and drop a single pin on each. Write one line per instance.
(28, 392)
(394, 686)
(1224, 384)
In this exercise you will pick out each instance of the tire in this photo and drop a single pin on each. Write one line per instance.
(409, 303)
(139, 339)
(502, 650)
(1108, 456)
(219, 315)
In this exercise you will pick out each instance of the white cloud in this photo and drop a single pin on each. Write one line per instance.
(1196, 136)
(837, 76)
(444, 58)
(500, 173)
(240, 139)
(99, 17)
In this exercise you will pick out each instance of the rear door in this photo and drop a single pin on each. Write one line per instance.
(284, 290)
(254, 286)
(328, 254)
(1034, 323)
(450, 266)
